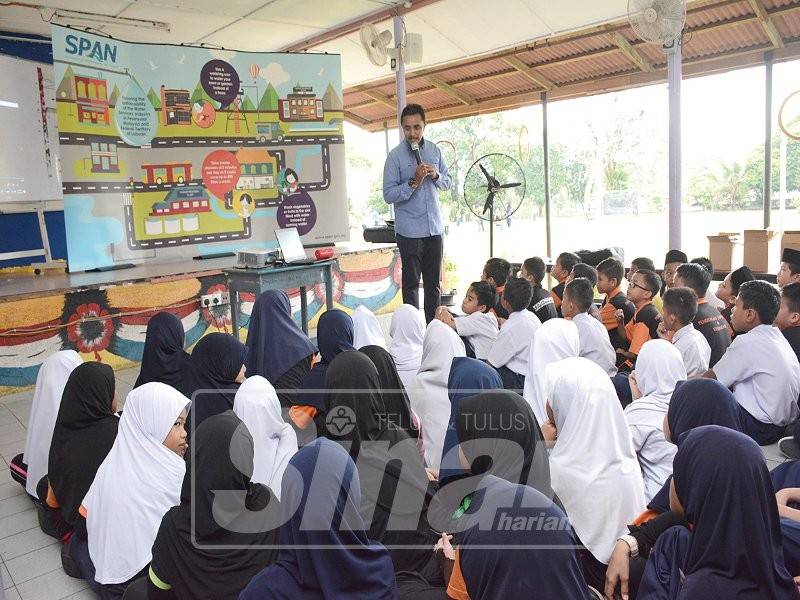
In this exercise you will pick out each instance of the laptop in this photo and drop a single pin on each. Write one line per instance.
(291, 247)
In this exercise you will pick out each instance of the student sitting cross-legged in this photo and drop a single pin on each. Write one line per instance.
(542, 304)
(760, 366)
(593, 336)
(609, 280)
(680, 307)
(729, 289)
(560, 271)
(497, 272)
(509, 354)
(478, 326)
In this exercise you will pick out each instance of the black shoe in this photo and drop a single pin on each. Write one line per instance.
(789, 447)
(68, 563)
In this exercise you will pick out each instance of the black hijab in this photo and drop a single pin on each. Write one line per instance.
(735, 548)
(213, 561)
(85, 430)
(217, 360)
(334, 336)
(164, 358)
(398, 406)
(395, 489)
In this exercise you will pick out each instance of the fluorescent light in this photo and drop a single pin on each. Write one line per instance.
(8, 104)
(110, 20)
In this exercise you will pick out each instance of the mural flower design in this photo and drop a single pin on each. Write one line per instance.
(338, 288)
(90, 328)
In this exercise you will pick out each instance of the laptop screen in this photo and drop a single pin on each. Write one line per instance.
(290, 244)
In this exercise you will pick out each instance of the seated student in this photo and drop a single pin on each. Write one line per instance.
(553, 342)
(497, 272)
(494, 559)
(137, 483)
(729, 289)
(582, 270)
(195, 555)
(645, 264)
(592, 334)
(673, 260)
(84, 433)
(708, 320)
(407, 332)
(277, 349)
(164, 358)
(722, 487)
(790, 267)
(366, 329)
(274, 440)
(351, 566)
(334, 336)
(788, 317)
(560, 271)
(217, 371)
(710, 298)
(680, 308)
(28, 468)
(659, 368)
(609, 281)
(643, 326)
(478, 326)
(590, 471)
(542, 304)
(428, 392)
(509, 353)
(395, 397)
(760, 367)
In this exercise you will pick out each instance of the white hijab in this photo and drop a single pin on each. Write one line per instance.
(659, 367)
(366, 329)
(407, 332)
(138, 482)
(555, 340)
(593, 466)
(50, 382)
(274, 440)
(428, 394)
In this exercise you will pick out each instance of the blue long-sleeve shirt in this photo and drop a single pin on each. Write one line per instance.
(416, 211)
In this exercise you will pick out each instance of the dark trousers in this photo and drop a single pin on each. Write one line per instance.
(763, 433)
(421, 256)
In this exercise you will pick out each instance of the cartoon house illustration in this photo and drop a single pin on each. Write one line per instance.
(258, 169)
(91, 97)
(191, 199)
(301, 105)
(176, 109)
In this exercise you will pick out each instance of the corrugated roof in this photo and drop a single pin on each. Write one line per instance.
(720, 35)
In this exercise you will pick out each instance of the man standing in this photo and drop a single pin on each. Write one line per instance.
(413, 174)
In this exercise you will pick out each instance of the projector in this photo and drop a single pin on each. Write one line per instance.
(255, 259)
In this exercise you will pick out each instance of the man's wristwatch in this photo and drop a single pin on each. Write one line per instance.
(632, 544)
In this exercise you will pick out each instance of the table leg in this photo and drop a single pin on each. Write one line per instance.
(233, 297)
(303, 309)
(329, 287)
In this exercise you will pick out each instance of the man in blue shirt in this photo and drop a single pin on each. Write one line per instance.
(413, 189)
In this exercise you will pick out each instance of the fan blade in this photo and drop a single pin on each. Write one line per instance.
(509, 185)
(489, 202)
(485, 173)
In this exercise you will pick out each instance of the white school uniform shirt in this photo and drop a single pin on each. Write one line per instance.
(511, 348)
(50, 382)
(694, 349)
(659, 368)
(595, 343)
(593, 466)
(555, 340)
(428, 394)
(481, 329)
(366, 329)
(712, 300)
(761, 369)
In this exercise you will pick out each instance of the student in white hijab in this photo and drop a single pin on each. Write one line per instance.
(366, 329)
(659, 368)
(593, 465)
(428, 393)
(138, 482)
(407, 331)
(50, 382)
(274, 440)
(555, 340)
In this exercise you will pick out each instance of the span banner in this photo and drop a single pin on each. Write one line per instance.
(170, 152)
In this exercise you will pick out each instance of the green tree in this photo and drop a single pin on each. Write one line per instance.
(269, 100)
(247, 104)
(154, 99)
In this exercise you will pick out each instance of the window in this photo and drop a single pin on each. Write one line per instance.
(81, 89)
(95, 147)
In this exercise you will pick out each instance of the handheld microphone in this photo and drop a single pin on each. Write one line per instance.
(415, 150)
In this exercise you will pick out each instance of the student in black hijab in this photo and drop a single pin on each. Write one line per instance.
(198, 553)
(395, 488)
(395, 398)
(164, 358)
(85, 430)
(722, 486)
(217, 370)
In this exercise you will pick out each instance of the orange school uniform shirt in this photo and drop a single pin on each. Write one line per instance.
(642, 328)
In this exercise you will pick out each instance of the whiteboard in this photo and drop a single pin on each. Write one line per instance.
(29, 163)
